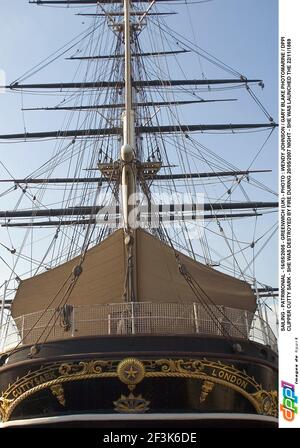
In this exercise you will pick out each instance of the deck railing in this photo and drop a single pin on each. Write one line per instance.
(139, 318)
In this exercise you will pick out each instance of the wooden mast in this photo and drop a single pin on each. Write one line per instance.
(128, 166)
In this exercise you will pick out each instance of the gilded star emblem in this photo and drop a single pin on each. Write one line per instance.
(131, 371)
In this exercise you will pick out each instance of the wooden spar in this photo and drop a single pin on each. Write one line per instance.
(206, 175)
(267, 289)
(139, 130)
(121, 106)
(93, 210)
(133, 13)
(182, 176)
(268, 294)
(155, 177)
(117, 56)
(90, 2)
(136, 83)
(94, 221)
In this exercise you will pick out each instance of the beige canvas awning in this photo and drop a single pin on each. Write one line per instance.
(103, 277)
(159, 279)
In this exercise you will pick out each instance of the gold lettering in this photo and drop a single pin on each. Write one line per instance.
(16, 393)
(24, 387)
(230, 378)
(227, 376)
(242, 383)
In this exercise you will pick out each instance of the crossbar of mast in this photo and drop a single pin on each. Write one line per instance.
(93, 210)
(133, 13)
(136, 55)
(138, 84)
(160, 177)
(90, 2)
(139, 130)
(94, 221)
(121, 106)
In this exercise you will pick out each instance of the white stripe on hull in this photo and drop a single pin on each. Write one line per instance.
(138, 417)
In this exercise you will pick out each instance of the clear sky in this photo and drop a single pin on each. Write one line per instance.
(242, 33)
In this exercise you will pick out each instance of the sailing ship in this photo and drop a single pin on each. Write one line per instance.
(126, 313)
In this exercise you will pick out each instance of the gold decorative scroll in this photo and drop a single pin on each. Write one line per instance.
(58, 392)
(206, 388)
(132, 371)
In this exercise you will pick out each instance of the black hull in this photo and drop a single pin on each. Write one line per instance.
(147, 381)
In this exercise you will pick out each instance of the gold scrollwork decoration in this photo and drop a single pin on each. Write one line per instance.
(58, 391)
(206, 388)
(84, 368)
(268, 402)
(179, 365)
(132, 371)
(49, 376)
(4, 407)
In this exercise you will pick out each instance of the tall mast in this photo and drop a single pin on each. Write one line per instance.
(128, 118)
(128, 182)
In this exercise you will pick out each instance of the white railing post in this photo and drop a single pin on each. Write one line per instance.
(260, 317)
(109, 323)
(196, 317)
(22, 328)
(132, 318)
(73, 323)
